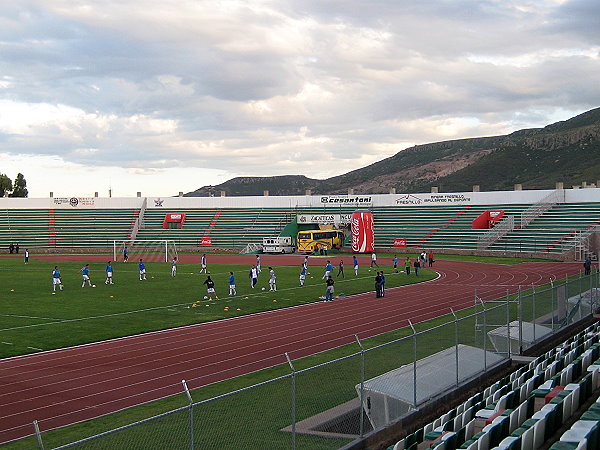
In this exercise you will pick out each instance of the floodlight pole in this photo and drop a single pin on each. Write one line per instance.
(456, 343)
(293, 400)
(362, 385)
(414, 364)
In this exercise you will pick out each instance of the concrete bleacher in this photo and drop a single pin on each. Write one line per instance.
(447, 227)
(27, 227)
(554, 230)
(225, 227)
(524, 409)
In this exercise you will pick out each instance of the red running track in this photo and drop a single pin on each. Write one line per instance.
(70, 385)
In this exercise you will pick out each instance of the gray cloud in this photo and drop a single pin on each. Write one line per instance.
(264, 88)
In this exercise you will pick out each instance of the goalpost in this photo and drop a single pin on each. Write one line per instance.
(147, 249)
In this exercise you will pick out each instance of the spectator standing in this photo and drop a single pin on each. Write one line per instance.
(587, 265)
(407, 264)
(378, 285)
(431, 260)
(341, 269)
(26, 256)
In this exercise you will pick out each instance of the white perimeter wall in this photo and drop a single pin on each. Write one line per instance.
(329, 201)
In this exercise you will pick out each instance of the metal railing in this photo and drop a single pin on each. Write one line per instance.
(330, 405)
(496, 233)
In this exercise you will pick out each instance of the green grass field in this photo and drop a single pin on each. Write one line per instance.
(34, 318)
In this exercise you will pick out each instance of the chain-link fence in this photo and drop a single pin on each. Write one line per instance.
(332, 404)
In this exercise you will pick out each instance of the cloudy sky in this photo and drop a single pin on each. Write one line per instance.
(162, 96)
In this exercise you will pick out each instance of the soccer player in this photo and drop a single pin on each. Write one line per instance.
(374, 259)
(341, 269)
(26, 256)
(396, 263)
(125, 255)
(328, 269)
(302, 274)
(258, 270)
(329, 290)
(355, 263)
(109, 273)
(174, 266)
(85, 274)
(203, 264)
(272, 280)
(232, 290)
(210, 288)
(253, 276)
(142, 269)
(56, 279)
(305, 264)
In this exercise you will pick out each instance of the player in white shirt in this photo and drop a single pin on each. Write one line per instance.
(174, 266)
(272, 280)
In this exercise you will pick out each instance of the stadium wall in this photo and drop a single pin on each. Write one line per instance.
(301, 201)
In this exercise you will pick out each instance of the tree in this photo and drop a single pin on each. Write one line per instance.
(5, 185)
(19, 187)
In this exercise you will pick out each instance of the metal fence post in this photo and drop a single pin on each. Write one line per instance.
(362, 385)
(507, 325)
(552, 303)
(191, 414)
(293, 401)
(533, 317)
(484, 337)
(456, 343)
(38, 435)
(520, 305)
(414, 364)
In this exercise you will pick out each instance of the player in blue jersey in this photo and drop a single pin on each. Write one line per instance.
(109, 273)
(142, 268)
(125, 255)
(56, 279)
(85, 275)
(232, 290)
(303, 274)
(328, 269)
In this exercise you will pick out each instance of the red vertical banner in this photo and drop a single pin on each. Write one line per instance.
(363, 232)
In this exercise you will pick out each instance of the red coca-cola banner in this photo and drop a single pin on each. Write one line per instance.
(399, 242)
(363, 232)
(206, 242)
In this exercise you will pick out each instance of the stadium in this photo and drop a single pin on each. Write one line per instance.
(494, 344)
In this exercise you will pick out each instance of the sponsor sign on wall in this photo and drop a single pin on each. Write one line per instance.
(206, 242)
(346, 200)
(74, 202)
(323, 219)
(433, 199)
(363, 232)
(399, 242)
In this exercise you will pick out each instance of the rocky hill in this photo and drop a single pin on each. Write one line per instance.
(567, 151)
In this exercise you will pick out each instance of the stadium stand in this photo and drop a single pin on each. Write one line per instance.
(27, 227)
(524, 409)
(552, 230)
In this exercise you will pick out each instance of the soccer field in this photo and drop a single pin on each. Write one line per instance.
(33, 318)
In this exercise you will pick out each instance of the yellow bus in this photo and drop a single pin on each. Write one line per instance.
(310, 240)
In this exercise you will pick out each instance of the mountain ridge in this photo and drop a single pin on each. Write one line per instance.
(566, 151)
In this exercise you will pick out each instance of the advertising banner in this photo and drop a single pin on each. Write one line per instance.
(399, 242)
(206, 242)
(363, 232)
